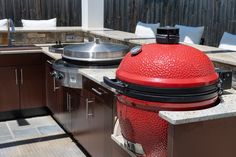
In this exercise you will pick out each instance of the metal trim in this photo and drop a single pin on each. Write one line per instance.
(134, 147)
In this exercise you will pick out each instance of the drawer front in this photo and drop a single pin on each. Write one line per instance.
(20, 59)
(99, 91)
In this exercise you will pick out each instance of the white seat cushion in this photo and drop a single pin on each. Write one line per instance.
(3, 23)
(39, 23)
(146, 30)
(191, 35)
(228, 41)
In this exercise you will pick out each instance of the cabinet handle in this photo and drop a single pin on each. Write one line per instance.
(54, 85)
(87, 108)
(69, 103)
(21, 75)
(16, 74)
(50, 62)
(96, 91)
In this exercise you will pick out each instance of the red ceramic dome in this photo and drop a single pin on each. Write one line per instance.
(166, 76)
(167, 66)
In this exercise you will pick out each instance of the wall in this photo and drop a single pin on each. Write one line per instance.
(216, 15)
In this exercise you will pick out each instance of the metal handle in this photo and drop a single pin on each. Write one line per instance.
(54, 85)
(87, 108)
(69, 103)
(114, 84)
(16, 74)
(21, 75)
(96, 91)
(50, 62)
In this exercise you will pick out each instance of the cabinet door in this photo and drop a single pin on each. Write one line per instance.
(101, 123)
(31, 86)
(53, 90)
(71, 99)
(100, 119)
(9, 89)
(80, 124)
(97, 127)
(65, 117)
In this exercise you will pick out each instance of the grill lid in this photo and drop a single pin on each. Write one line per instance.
(95, 51)
(166, 72)
(167, 64)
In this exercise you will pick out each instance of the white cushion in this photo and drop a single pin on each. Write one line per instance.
(191, 35)
(39, 23)
(146, 30)
(228, 41)
(3, 23)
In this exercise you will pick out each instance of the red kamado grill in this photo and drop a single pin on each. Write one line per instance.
(161, 76)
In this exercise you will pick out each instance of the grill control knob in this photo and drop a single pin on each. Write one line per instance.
(57, 75)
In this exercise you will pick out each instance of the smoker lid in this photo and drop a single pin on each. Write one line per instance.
(166, 72)
(95, 51)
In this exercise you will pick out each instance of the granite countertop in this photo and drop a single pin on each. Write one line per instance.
(45, 50)
(227, 108)
(20, 51)
(215, 54)
(49, 29)
(224, 109)
(97, 75)
(114, 34)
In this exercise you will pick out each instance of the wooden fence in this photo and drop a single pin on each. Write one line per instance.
(216, 15)
(68, 12)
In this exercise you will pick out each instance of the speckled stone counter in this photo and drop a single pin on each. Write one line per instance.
(227, 108)
(20, 51)
(48, 29)
(224, 109)
(45, 50)
(215, 54)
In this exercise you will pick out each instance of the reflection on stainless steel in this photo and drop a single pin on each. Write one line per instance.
(68, 74)
(11, 30)
(57, 48)
(234, 80)
(95, 51)
(86, 55)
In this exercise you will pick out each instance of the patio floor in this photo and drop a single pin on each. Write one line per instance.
(36, 137)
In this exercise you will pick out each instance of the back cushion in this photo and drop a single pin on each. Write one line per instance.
(191, 35)
(3, 23)
(228, 41)
(146, 30)
(39, 23)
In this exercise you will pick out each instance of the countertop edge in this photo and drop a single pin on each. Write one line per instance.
(196, 119)
(119, 141)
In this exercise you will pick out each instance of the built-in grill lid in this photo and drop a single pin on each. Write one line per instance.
(95, 52)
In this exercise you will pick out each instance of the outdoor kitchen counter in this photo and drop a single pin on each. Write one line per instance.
(43, 29)
(214, 53)
(227, 108)
(43, 48)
